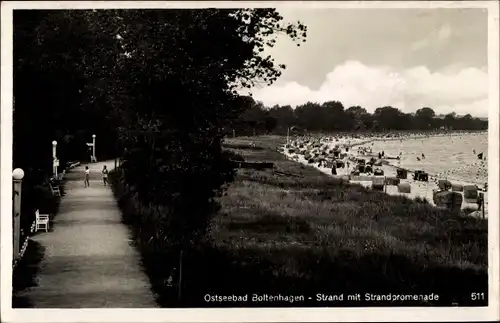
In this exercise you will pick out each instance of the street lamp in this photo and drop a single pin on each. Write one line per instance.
(93, 148)
(18, 174)
(17, 177)
(54, 158)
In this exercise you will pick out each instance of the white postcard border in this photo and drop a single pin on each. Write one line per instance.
(246, 314)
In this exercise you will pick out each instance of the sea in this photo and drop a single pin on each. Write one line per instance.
(452, 157)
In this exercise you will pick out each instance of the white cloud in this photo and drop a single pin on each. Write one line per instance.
(444, 32)
(418, 45)
(438, 37)
(462, 90)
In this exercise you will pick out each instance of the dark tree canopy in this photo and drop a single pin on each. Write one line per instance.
(155, 86)
(331, 117)
(160, 89)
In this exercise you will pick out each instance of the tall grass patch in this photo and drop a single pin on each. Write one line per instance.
(293, 229)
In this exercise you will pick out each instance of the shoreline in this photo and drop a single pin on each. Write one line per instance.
(424, 190)
(408, 136)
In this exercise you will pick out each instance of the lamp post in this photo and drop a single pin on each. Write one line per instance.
(54, 158)
(17, 177)
(93, 148)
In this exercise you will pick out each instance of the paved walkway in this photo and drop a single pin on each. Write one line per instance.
(89, 261)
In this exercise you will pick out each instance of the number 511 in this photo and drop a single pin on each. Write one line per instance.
(477, 296)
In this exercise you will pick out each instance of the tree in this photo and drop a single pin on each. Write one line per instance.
(466, 122)
(425, 113)
(253, 119)
(333, 115)
(284, 116)
(357, 111)
(57, 58)
(186, 66)
(449, 120)
(270, 124)
(310, 116)
(356, 118)
(330, 117)
(425, 118)
(162, 81)
(388, 118)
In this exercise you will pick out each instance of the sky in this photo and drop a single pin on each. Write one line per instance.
(405, 58)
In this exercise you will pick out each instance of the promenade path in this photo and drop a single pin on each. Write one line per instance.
(89, 261)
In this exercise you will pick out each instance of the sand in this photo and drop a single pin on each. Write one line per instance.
(418, 188)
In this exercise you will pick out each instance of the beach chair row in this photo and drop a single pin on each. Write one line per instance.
(470, 192)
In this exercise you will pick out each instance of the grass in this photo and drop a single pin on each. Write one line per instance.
(295, 230)
(24, 275)
(297, 222)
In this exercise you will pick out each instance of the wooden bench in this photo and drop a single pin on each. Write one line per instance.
(253, 165)
(55, 190)
(73, 164)
(41, 221)
(60, 176)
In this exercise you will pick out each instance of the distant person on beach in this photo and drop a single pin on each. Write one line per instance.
(87, 176)
(423, 156)
(105, 175)
(480, 201)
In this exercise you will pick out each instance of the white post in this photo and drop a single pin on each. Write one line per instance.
(288, 135)
(93, 147)
(17, 176)
(234, 134)
(54, 158)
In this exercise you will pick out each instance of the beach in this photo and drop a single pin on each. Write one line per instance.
(452, 157)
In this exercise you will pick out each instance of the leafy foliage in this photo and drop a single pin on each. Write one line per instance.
(332, 116)
(156, 86)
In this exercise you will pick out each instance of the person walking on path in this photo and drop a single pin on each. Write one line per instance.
(87, 175)
(105, 175)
